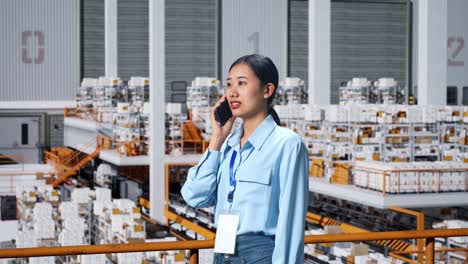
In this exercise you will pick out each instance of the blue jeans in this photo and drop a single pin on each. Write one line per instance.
(250, 248)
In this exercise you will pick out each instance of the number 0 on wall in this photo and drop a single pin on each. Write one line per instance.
(28, 36)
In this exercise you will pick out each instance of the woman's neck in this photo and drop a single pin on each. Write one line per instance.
(250, 124)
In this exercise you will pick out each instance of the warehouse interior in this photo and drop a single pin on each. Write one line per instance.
(105, 105)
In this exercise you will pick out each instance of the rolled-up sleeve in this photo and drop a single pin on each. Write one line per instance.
(199, 189)
(293, 202)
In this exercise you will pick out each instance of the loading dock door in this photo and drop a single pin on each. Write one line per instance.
(20, 136)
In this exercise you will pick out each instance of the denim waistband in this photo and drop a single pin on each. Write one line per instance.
(254, 236)
(250, 248)
(246, 241)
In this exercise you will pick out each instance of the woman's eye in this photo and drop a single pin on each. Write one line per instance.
(241, 83)
(228, 84)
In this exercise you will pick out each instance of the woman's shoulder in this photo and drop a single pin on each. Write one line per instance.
(286, 136)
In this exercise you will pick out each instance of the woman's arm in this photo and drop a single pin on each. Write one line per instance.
(199, 189)
(293, 201)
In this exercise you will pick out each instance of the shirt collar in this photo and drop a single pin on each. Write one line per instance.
(258, 138)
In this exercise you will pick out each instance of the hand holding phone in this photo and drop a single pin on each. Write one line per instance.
(222, 120)
(223, 113)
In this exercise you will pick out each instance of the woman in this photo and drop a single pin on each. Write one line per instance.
(259, 171)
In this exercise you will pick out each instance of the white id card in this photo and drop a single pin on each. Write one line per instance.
(226, 232)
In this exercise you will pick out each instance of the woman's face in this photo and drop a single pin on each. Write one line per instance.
(244, 92)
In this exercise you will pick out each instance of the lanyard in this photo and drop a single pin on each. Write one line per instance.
(232, 179)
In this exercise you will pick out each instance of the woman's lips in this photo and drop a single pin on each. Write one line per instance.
(235, 104)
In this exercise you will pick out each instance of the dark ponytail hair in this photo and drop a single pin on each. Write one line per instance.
(266, 72)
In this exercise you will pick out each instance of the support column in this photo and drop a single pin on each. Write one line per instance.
(432, 52)
(110, 38)
(319, 51)
(158, 109)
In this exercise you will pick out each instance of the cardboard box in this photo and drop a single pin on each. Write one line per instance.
(359, 249)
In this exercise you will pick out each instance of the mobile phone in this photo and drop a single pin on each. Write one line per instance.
(223, 113)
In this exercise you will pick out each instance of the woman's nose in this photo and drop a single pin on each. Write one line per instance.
(232, 92)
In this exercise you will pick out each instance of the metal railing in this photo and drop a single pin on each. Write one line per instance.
(419, 226)
(194, 246)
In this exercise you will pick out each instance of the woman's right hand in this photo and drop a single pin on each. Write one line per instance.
(219, 133)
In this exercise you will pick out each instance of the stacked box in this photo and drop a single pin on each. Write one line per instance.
(131, 258)
(336, 114)
(101, 208)
(313, 113)
(92, 259)
(103, 195)
(26, 193)
(26, 239)
(42, 210)
(124, 205)
(119, 220)
(71, 238)
(363, 114)
(341, 173)
(44, 228)
(68, 210)
(81, 195)
(401, 177)
(465, 114)
(450, 224)
(317, 168)
(42, 260)
(449, 114)
(204, 91)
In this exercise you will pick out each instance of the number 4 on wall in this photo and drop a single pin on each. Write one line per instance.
(28, 36)
(455, 46)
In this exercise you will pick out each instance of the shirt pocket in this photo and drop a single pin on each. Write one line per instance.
(255, 184)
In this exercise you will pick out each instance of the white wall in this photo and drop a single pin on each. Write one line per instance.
(457, 54)
(9, 229)
(457, 45)
(258, 26)
(39, 49)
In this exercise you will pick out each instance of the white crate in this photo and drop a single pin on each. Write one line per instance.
(68, 210)
(44, 188)
(77, 224)
(103, 195)
(42, 210)
(174, 108)
(130, 258)
(92, 259)
(42, 260)
(81, 195)
(124, 205)
(336, 114)
(71, 238)
(410, 181)
(44, 228)
(99, 208)
(26, 239)
(118, 221)
(313, 113)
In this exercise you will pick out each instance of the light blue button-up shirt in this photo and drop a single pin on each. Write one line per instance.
(272, 186)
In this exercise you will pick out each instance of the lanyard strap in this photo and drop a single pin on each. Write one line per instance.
(232, 178)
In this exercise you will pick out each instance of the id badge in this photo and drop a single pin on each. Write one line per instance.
(226, 233)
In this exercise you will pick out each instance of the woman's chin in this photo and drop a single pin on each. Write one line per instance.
(236, 113)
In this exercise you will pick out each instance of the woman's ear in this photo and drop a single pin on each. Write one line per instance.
(268, 90)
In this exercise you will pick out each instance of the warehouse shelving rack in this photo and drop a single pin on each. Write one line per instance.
(357, 95)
